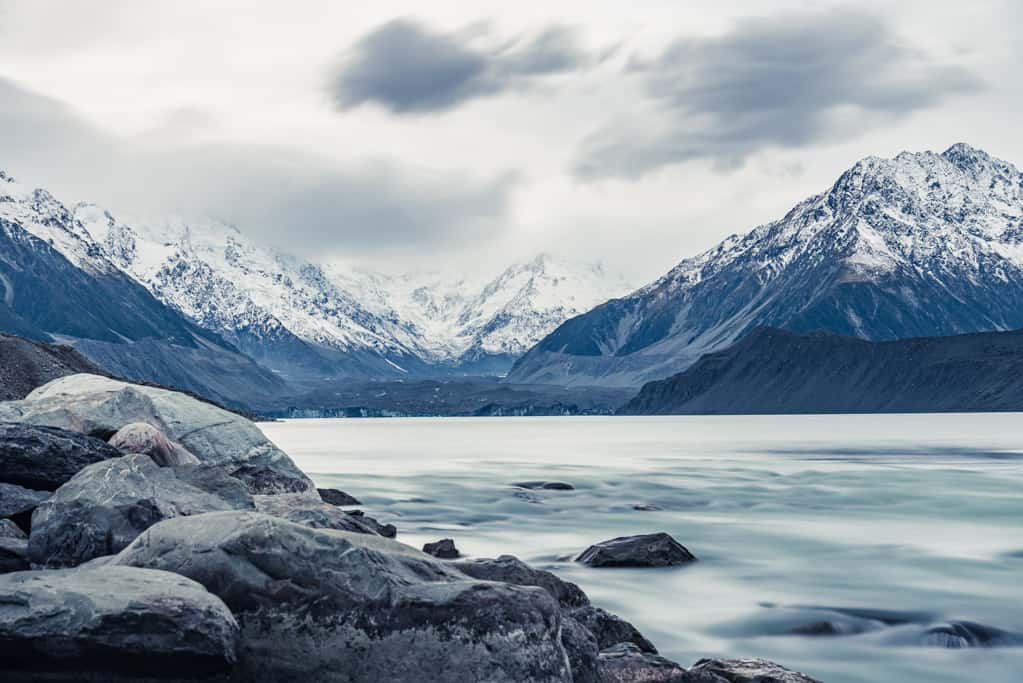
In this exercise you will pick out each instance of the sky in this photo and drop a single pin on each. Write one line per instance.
(454, 135)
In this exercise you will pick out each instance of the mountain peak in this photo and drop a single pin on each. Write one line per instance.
(961, 153)
(6, 178)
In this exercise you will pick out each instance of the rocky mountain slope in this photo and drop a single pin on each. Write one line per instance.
(27, 364)
(777, 371)
(923, 244)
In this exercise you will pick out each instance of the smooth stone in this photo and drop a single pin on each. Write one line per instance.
(750, 671)
(43, 458)
(17, 504)
(144, 438)
(648, 550)
(316, 514)
(645, 507)
(626, 663)
(385, 530)
(91, 404)
(106, 505)
(9, 529)
(444, 549)
(610, 629)
(581, 648)
(13, 554)
(545, 485)
(332, 606)
(968, 634)
(509, 569)
(112, 624)
(336, 497)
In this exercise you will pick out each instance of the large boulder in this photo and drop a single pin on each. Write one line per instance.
(750, 671)
(140, 437)
(581, 648)
(647, 550)
(45, 457)
(509, 569)
(96, 405)
(17, 503)
(610, 629)
(9, 529)
(324, 605)
(13, 554)
(317, 514)
(106, 505)
(112, 624)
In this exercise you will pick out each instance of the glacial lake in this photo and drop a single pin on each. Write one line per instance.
(882, 526)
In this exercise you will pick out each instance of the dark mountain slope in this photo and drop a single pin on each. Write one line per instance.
(27, 364)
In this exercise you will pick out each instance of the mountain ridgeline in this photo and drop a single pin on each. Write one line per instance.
(923, 244)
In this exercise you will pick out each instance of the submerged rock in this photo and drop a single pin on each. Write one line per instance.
(444, 549)
(626, 663)
(967, 634)
(610, 629)
(316, 514)
(43, 458)
(140, 437)
(336, 497)
(332, 606)
(648, 550)
(545, 485)
(509, 569)
(112, 624)
(17, 504)
(750, 671)
(106, 505)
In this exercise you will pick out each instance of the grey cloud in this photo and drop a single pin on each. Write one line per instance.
(787, 80)
(296, 201)
(410, 69)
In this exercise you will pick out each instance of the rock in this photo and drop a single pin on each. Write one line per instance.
(610, 629)
(964, 634)
(17, 504)
(581, 648)
(112, 624)
(9, 529)
(626, 663)
(385, 530)
(105, 506)
(646, 507)
(750, 671)
(316, 514)
(509, 569)
(13, 555)
(648, 550)
(336, 497)
(331, 606)
(545, 485)
(43, 458)
(91, 404)
(444, 549)
(140, 437)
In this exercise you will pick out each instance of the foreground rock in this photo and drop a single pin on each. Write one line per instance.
(581, 648)
(649, 550)
(17, 504)
(316, 514)
(91, 404)
(43, 458)
(626, 663)
(9, 529)
(509, 569)
(107, 505)
(749, 671)
(444, 549)
(609, 629)
(336, 497)
(385, 530)
(140, 437)
(334, 606)
(112, 624)
(13, 554)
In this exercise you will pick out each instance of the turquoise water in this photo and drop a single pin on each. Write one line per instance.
(915, 519)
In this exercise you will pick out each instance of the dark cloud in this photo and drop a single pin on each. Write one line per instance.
(296, 201)
(409, 69)
(788, 80)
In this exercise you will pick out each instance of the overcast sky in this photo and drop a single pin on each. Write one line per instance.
(465, 135)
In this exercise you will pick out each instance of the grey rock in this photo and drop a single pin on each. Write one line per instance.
(444, 549)
(91, 404)
(140, 437)
(112, 624)
(750, 671)
(316, 514)
(9, 529)
(581, 648)
(626, 663)
(105, 506)
(610, 629)
(966, 634)
(648, 550)
(545, 485)
(17, 503)
(324, 605)
(385, 530)
(44, 457)
(336, 497)
(13, 554)
(509, 569)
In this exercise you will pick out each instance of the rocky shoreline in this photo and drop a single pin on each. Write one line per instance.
(148, 536)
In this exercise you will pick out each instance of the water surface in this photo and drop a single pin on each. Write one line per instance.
(917, 519)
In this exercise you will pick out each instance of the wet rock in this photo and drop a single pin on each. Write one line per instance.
(626, 663)
(336, 497)
(13, 554)
(385, 530)
(332, 606)
(43, 458)
(112, 624)
(9, 529)
(967, 634)
(316, 514)
(444, 549)
(143, 438)
(750, 671)
(610, 629)
(581, 648)
(90, 404)
(545, 485)
(509, 569)
(646, 507)
(106, 505)
(17, 504)
(648, 550)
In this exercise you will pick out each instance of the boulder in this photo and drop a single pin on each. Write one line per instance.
(385, 530)
(335, 497)
(331, 606)
(9, 529)
(112, 624)
(610, 629)
(648, 550)
(545, 485)
(444, 549)
(140, 437)
(17, 504)
(963, 634)
(626, 663)
(43, 458)
(317, 514)
(13, 554)
(750, 671)
(106, 505)
(91, 404)
(581, 648)
(509, 569)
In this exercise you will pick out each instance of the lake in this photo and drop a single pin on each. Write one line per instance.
(831, 544)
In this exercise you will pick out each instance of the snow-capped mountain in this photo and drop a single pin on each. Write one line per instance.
(923, 244)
